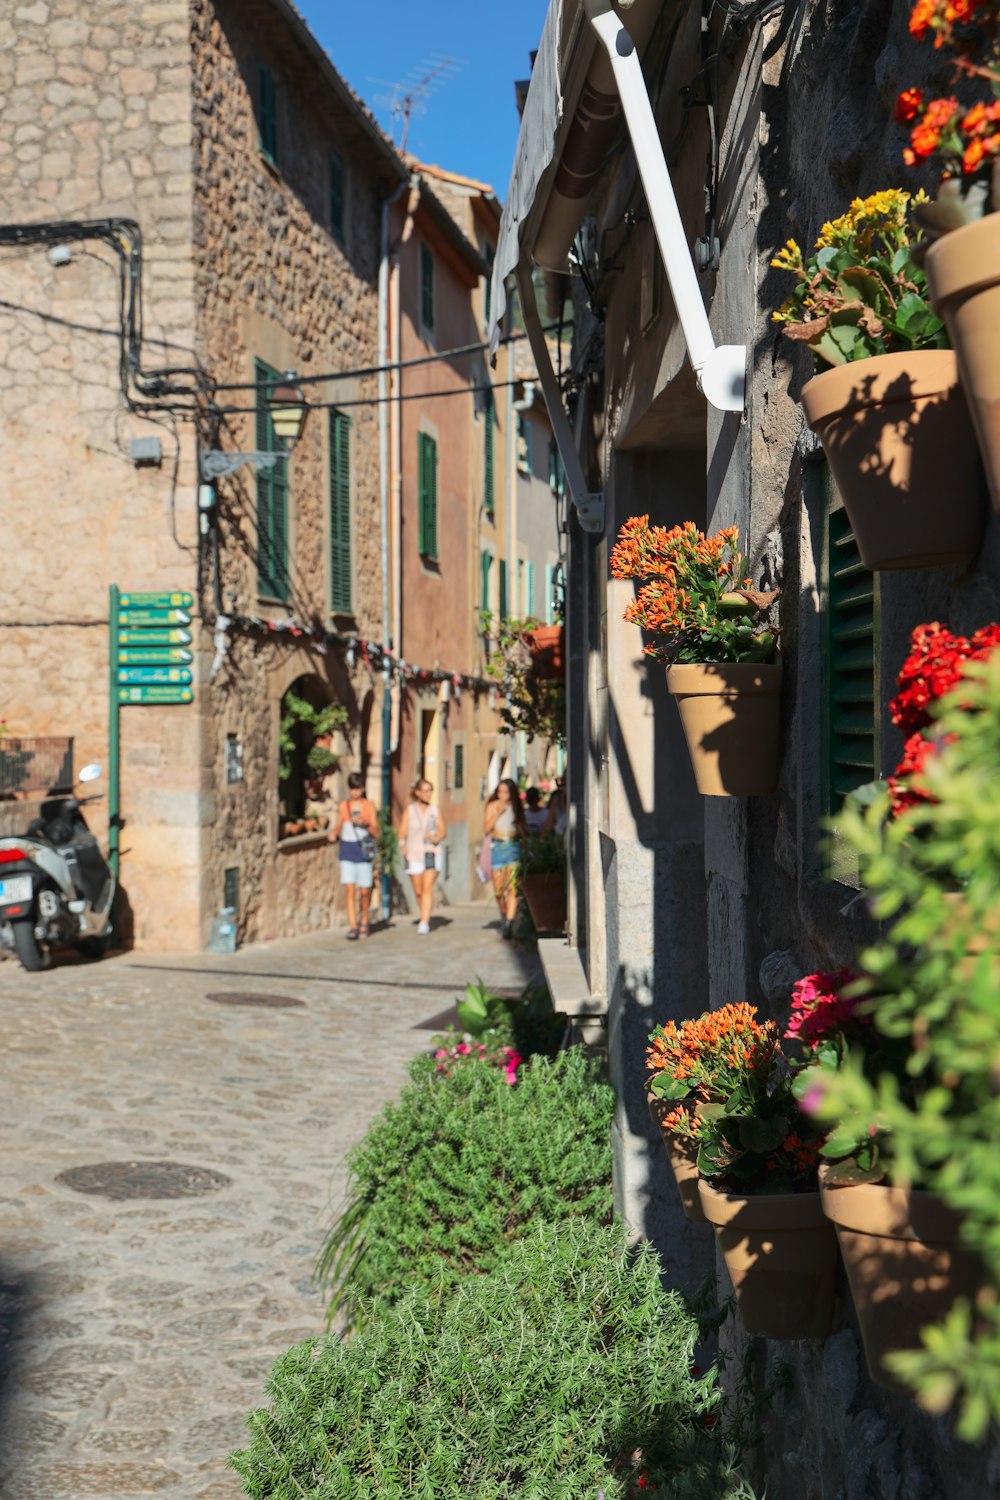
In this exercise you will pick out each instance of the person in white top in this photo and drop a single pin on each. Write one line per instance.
(503, 821)
(422, 832)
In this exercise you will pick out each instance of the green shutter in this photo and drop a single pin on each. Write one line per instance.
(529, 588)
(272, 499)
(336, 195)
(427, 496)
(488, 423)
(486, 563)
(550, 612)
(427, 288)
(340, 513)
(502, 607)
(267, 117)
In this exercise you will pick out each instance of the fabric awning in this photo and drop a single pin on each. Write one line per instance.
(536, 142)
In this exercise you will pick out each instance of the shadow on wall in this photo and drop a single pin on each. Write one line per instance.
(16, 1292)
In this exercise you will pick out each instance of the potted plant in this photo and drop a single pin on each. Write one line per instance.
(541, 880)
(548, 650)
(710, 626)
(757, 1157)
(914, 1192)
(534, 702)
(962, 264)
(886, 401)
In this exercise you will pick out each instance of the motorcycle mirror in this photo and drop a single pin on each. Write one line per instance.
(90, 773)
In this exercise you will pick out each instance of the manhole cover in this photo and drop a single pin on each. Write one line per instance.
(119, 1180)
(239, 997)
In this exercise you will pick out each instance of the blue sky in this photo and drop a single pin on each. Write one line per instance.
(470, 120)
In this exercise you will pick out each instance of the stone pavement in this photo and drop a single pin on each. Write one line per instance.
(135, 1334)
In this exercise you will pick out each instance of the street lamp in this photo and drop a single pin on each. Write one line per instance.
(288, 407)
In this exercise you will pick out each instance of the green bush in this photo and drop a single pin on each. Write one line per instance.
(449, 1178)
(563, 1373)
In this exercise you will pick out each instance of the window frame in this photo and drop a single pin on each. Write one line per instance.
(273, 493)
(266, 113)
(340, 514)
(523, 443)
(427, 497)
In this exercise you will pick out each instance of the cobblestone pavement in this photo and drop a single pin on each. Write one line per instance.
(135, 1334)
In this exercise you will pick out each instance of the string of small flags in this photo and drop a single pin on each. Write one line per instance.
(372, 654)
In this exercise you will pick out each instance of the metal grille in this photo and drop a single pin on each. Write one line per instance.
(851, 718)
(231, 888)
(37, 765)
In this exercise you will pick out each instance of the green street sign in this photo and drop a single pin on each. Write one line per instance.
(155, 656)
(142, 675)
(146, 638)
(155, 694)
(155, 601)
(156, 616)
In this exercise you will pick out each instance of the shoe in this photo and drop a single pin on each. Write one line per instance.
(363, 930)
(505, 928)
(352, 934)
(424, 929)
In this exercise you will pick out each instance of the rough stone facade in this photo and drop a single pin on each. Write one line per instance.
(687, 902)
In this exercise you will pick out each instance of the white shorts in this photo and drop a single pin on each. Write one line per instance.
(418, 867)
(353, 872)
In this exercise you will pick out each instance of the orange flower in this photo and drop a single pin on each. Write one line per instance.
(908, 105)
(973, 155)
(921, 17)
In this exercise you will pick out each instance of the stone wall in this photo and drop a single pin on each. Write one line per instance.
(95, 120)
(274, 283)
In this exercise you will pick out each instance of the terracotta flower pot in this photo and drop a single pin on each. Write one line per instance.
(731, 717)
(963, 273)
(545, 896)
(903, 1264)
(547, 651)
(897, 434)
(683, 1158)
(781, 1254)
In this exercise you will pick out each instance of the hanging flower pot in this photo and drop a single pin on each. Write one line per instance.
(963, 274)
(547, 644)
(781, 1255)
(904, 1264)
(896, 432)
(731, 717)
(682, 1155)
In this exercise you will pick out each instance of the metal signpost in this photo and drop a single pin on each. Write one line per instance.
(148, 664)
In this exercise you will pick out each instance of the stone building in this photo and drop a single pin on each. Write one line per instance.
(260, 187)
(679, 902)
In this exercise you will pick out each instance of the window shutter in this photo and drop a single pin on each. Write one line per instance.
(337, 195)
(432, 543)
(427, 496)
(486, 563)
(529, 588)
(267, 121)
(272, 499)
(488, 481)
(340, 513)
(502, 606)
(851, 699)
(550, 612)
(427, 288)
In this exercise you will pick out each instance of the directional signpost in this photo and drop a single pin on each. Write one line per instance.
(149, 664)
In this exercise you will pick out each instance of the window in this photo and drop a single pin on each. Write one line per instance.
(426, 289)
(486, 566)
(231, 888)
(234, 760)
(427, 540)
(337, 196)
(272, 498)
(267, 115)
(523, 443)
(459, 766)
(557, 477)
(529, 588)
(489, 409)
(340, 513)
(851, 735)
(502, 603)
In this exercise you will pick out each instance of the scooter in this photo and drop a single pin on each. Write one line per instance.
(56, 888)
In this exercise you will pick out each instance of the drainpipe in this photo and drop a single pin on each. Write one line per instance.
(383, 464)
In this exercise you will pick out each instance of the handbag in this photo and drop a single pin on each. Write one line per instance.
(484, 861)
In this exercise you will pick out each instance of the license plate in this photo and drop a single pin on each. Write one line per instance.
(16, 889)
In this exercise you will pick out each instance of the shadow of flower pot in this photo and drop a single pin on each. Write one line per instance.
(898, 437)
(731, 717)
(683, 1158)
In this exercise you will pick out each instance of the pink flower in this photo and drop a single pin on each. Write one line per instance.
(819, 1008)
(812, 1099)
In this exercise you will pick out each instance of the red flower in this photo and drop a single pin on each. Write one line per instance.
(908, 105)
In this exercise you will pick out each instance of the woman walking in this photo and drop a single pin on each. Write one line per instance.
(504, 822)
(421, 833)
(357, 829)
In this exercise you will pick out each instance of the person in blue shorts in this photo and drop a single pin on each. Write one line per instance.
(357, 829)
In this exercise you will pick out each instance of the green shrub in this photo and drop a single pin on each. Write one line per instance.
(529, 1023)
(563, 1373)
(447, 1179)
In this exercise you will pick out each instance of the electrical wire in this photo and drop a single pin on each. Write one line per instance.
(465, 390)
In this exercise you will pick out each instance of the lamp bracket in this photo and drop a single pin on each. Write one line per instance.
(215, 464)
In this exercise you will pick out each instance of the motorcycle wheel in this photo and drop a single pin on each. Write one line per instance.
(31, 956)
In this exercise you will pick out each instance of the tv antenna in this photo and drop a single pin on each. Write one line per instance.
(409, 96)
